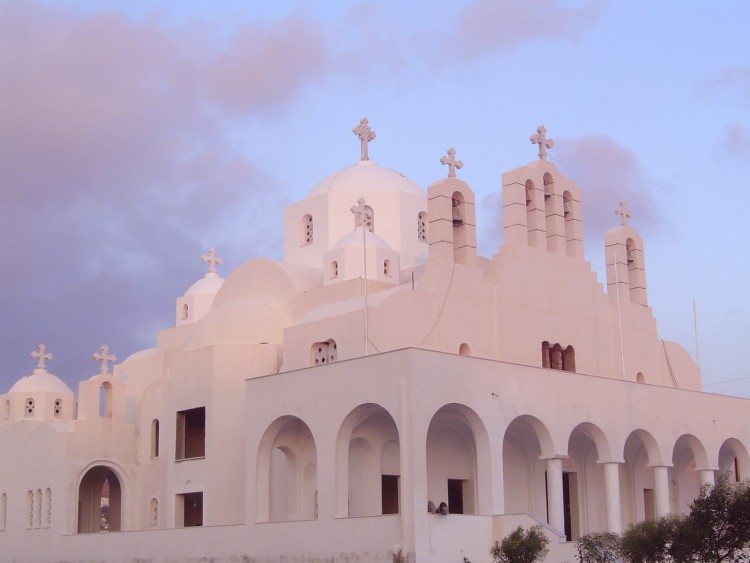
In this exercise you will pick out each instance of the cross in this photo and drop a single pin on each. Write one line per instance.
(539, 138)
(41, 355)
(362, 215)
(624, 213)
(365, 135)
(452, 163)
(212, 260)
(104, 356)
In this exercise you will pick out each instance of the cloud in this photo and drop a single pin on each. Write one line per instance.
(733, 80)
(607, 173)
(737, 141)
(119, 168)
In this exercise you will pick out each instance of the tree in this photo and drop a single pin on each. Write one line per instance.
(521, 547)
(650, 541)
(598, 547)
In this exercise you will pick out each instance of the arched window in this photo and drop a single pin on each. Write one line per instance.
(422, 226)
(29, 510)
(545, 354)
(569, 359)
(155, 438)
(48, 508)
(29, 407)
(105, 399)
(387, 269)
(307, 230)
(57, 408)
(38, 509)
(556, 357)
(153, 512)
(185, 311)
(3, 511)
(323, 353)
(640, 378)
(464, 349)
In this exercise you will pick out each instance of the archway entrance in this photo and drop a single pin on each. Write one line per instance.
(99, 501)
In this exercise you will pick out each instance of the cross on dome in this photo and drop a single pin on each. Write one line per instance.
(212, 260)
(41, 355)
(452, 163)
(365, 135)
(624, 213)
(540, 138)
(104, 357)
(362, 214)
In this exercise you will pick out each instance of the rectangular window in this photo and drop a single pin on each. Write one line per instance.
(189, 510)
(191, 434)
(456, 496)
(389, 494)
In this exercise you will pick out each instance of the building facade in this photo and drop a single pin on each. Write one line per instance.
(382, 394)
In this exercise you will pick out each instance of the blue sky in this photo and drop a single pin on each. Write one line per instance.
(134, 135)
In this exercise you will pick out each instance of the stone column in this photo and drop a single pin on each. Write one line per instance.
(555, 507)
(612, 492)
(661, 490)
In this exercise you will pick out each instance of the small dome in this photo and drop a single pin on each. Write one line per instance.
(355, 239)
(366, 176)
(41, 381)
(210, 283)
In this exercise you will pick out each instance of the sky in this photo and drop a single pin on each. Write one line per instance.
(136, 134)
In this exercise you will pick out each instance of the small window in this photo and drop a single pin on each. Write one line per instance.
(57, 409)
(185, 311)
(47, 507)
(389, 488)
(323, 353)
(387, 269)
(29, 510)
(333, 271)
(307, 230)
(6, 410)
(29, 407)
(38, 509)
(422, 226)
(640, 378)
(456, 496)
(191, 434)
(3, 511)
(189, 510)
(464, 349)
(153, 512)
(155, 438)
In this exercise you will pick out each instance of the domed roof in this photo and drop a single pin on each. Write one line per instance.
(355, 239)
(210, 283)
(365, 176)
(40, 381)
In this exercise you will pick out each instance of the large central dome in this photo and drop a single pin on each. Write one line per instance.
(365, 176)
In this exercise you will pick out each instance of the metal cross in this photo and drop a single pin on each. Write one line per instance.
(104, 357)
(624, 213)
(452, 163)
(41, 355)
(365, 135)
(540, 138)
(212, 260)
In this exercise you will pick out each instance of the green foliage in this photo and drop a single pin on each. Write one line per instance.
(716, 530)
(598, 547)
(521, 547)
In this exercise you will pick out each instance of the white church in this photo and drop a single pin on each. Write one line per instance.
(383, 394)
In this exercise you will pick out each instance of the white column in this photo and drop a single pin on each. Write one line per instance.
(661, 490)
(707, 477)
(555, 508)
(612, 492)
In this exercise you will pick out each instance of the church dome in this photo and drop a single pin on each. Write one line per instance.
(366, 176)
(40, 381)
(210, 283)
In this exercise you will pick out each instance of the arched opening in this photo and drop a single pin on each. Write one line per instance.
(368, 466)
(29, 408)
(640, 378)
(47, 508)
(6, 410)
(638, 484)
(464, 349)
(458, 466)
(734, 461)
(524, 470)
(153, 512)
(3, 511)
(38, 509)
(583, 482)
(99, 501)
(687, 456)
(532, 225)
(570, 222)
(105, 399)
(57, 408)
(155, 437)
(29, 510)
(422, 226)
(551, 213)
(633, 267)
(287, 472)
(387, 271)
(185, 312)
(307, 230)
